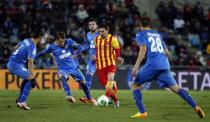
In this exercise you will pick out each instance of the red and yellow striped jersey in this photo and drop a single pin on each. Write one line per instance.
(107, 50)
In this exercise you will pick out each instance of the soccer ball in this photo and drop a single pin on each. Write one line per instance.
(103, 100)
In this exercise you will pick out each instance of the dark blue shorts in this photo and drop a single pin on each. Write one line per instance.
(76, 74)
(163, 77)
(18, 69)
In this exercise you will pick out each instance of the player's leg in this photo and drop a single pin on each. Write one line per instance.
(64, 76)
(166, 78)
(22, 72)
(89, 76)
(111, 88)
(144, 75)
(79, 77)
(89, 73)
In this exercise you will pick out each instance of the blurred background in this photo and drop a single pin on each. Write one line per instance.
(184, 25)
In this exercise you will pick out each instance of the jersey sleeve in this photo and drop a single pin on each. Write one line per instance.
(43, 52)
(140, 39)
(115, 43)
(32, 52)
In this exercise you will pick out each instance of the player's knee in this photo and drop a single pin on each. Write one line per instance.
(175, 88)
(63, 76)
(81, 81)
(134, 87)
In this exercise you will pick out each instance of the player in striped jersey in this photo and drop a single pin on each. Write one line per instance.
(106, 55)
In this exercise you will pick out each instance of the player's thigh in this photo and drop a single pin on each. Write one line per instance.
(111, 70)
(145, 75)
(63, 73)
(18, 70)
(77, 75)
(166, 79)
(91, 68)
(102, 76)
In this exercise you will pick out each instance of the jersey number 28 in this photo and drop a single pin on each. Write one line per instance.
(156, 45)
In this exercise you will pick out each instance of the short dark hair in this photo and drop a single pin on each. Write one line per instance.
(92, 20)
(103, 25)
(145, 22)
(36, 33)
(60, 35)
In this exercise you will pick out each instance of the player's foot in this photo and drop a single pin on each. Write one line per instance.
(70, 99)
(23, 106)
(93, 101)
(117, 104)
(84, 100)
(199, 112)
(140, 115)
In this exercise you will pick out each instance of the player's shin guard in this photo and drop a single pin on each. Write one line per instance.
(65, 86)
(182, 93)
(25, 92)
(89, 78)
(86, 90)
(138, 99)
(21, 89)
(113, 94)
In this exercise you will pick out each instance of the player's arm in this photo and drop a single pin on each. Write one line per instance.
(116, 46)
(43, 52)
(141, 56)
(81, 48)
(166, 51)
(93, 52)
(17, 46)
(31, 56)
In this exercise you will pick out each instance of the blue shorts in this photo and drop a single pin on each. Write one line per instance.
(76, 74)
(18, 69)
(91, 68)
(163, 77)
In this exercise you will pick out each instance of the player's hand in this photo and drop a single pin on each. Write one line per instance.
(33, 83)
(74, 56)
(93, 58)
(120, 60)
(134, 71)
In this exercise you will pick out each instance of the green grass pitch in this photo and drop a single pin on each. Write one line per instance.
(50, 106)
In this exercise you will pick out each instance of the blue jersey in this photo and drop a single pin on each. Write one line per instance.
(62, 55)
(90, 39)
(155, 55)
(26, 50)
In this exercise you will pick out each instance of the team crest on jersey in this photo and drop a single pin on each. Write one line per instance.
(63, 51)
(34, 52)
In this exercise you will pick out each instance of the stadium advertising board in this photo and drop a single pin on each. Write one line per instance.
(187, 79)
(46, 79)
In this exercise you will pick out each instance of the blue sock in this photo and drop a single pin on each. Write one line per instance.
(65, 86)
(21, 88)
(86, 90)
(25, 91)
(138, 98)
(182, 93)
(89, 80)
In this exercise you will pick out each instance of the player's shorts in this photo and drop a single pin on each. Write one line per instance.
(91, 68)
(18, 69)
(76, 74)
(103, 74)
(163, 77)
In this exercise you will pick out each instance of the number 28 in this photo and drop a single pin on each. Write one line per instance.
(156, 45)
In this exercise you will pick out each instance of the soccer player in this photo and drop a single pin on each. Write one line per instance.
(91, 69)
(157, 68)
(63, 51)
(107, 52)
(24, 55)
